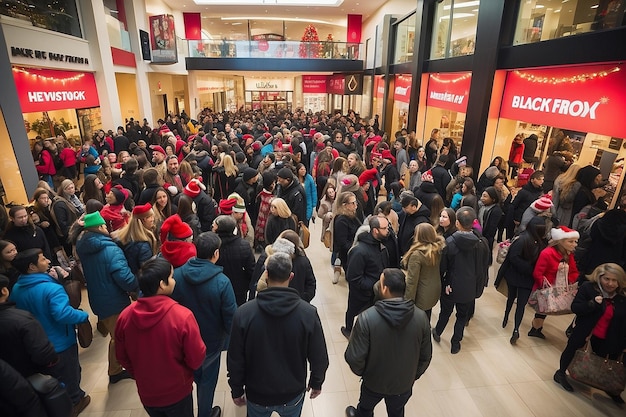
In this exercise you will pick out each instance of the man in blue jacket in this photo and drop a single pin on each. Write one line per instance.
(109, 279)
(45, 298)
(202, 287)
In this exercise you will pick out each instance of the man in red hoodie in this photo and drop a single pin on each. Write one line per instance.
(158, 342)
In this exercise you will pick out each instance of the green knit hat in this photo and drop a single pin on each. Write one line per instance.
(93, 220)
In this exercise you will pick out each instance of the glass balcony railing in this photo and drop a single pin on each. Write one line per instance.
(273, 49)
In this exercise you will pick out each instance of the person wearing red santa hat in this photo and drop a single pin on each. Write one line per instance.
(158, 159)
(558, 256)
(206, 208)
(137, 238)
(114, 213)
(176, 241)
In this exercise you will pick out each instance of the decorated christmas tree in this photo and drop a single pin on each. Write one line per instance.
(311, 46)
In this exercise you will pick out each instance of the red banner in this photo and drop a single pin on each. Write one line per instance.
(44, 90)
(193, 26)
(588, 98)
(336, 84)
(449, 91)
(315, 84)
(402, 88)
(355, 22)
(379, 86)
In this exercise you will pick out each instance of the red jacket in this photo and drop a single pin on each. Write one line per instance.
(46, 163)
(548, 264)
(158, 342)
(68, 156)
(517, 153)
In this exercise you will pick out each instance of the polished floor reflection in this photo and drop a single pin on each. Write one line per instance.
(489, 377)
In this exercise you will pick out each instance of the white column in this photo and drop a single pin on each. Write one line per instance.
(136, 19)
(95, 31)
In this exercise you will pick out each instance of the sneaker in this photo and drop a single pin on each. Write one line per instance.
(114, 379)
(216, 411)
(345, 332)
(536, 333)
(81, 405)
(336, 276)
(561, 378)
(436, 337)
(455, 348)
(514, 337)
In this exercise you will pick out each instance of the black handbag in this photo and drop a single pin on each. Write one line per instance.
(52, 395)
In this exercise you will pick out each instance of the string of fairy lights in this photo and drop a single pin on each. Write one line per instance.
(436, 77)
(563, 80)
(40, 77)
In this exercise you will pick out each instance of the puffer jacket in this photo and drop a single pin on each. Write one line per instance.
(390, 346)
(46, 299)
(108, 275)
(202, 287)
(366, 261)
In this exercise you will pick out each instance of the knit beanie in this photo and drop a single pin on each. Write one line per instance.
(176, 228)
(542, 204)
(93, 220)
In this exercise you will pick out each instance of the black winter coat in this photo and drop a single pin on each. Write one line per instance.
(366, 261)
(524, 199)
(407, 225)
(295, 198)
(237, 259)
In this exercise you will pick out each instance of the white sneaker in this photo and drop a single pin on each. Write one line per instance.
(336, 276)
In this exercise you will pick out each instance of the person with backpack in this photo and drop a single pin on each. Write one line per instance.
(464, 266)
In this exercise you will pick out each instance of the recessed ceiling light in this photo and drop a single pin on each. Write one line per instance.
(594, 7)
(539, 6)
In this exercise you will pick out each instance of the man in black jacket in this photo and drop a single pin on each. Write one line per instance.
(292, 192)
(396, 321)
(264, 371)
(441, 176)
(413, 213)
(366, 261)
(460, 274)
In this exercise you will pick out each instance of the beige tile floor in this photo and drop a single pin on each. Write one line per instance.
(489, 377)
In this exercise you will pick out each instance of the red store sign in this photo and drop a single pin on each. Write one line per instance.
(44, 90)
(449, 91)
(585, 98)
(336, 84)
(379, 86)
(314, 84)
(402, 88)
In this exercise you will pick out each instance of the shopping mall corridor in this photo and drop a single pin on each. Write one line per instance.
(489, 377)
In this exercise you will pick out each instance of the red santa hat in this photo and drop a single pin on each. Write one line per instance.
(174, 227)
(157, 148)
(143, 211)
(387, 155)
(428, 176)
(194, 188)
(226, 206)
(563, 232)
(367, 176)
(267, 135)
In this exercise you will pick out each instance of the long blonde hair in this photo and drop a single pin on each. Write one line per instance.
(428, 242)
(615, 269)
(282, 209)
(565, 182)
(134, 231)
(229, 166)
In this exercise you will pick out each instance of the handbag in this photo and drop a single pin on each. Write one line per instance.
(305, 234)
(73, 288)
(503, 250)
(52, 394)
(557, 299)
(602, 373)
(327, 238)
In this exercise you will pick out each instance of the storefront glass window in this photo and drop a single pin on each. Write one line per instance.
(541, 20)
(454, 28)
(116, 24)
(405, 35)
(58, 15)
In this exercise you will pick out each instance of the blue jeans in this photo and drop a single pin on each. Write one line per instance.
(292, 408)
(205, 378)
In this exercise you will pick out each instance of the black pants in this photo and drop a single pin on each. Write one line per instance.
(183, 408)
(462, 315)
(357, 302)
(522, 295)
(67, 371)
(394, 403)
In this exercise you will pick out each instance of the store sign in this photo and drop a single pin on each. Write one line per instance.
(379, 86)
(269, 84)
(45, 90)
(584, 98)
(314, 84)
(346, 84)
(449, 91)
(47, 56)
(402, 88)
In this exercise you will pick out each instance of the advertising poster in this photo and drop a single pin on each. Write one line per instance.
(163, 39)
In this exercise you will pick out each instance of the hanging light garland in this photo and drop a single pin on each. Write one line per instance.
(463, 77)
(562, 80)
(44, 78)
